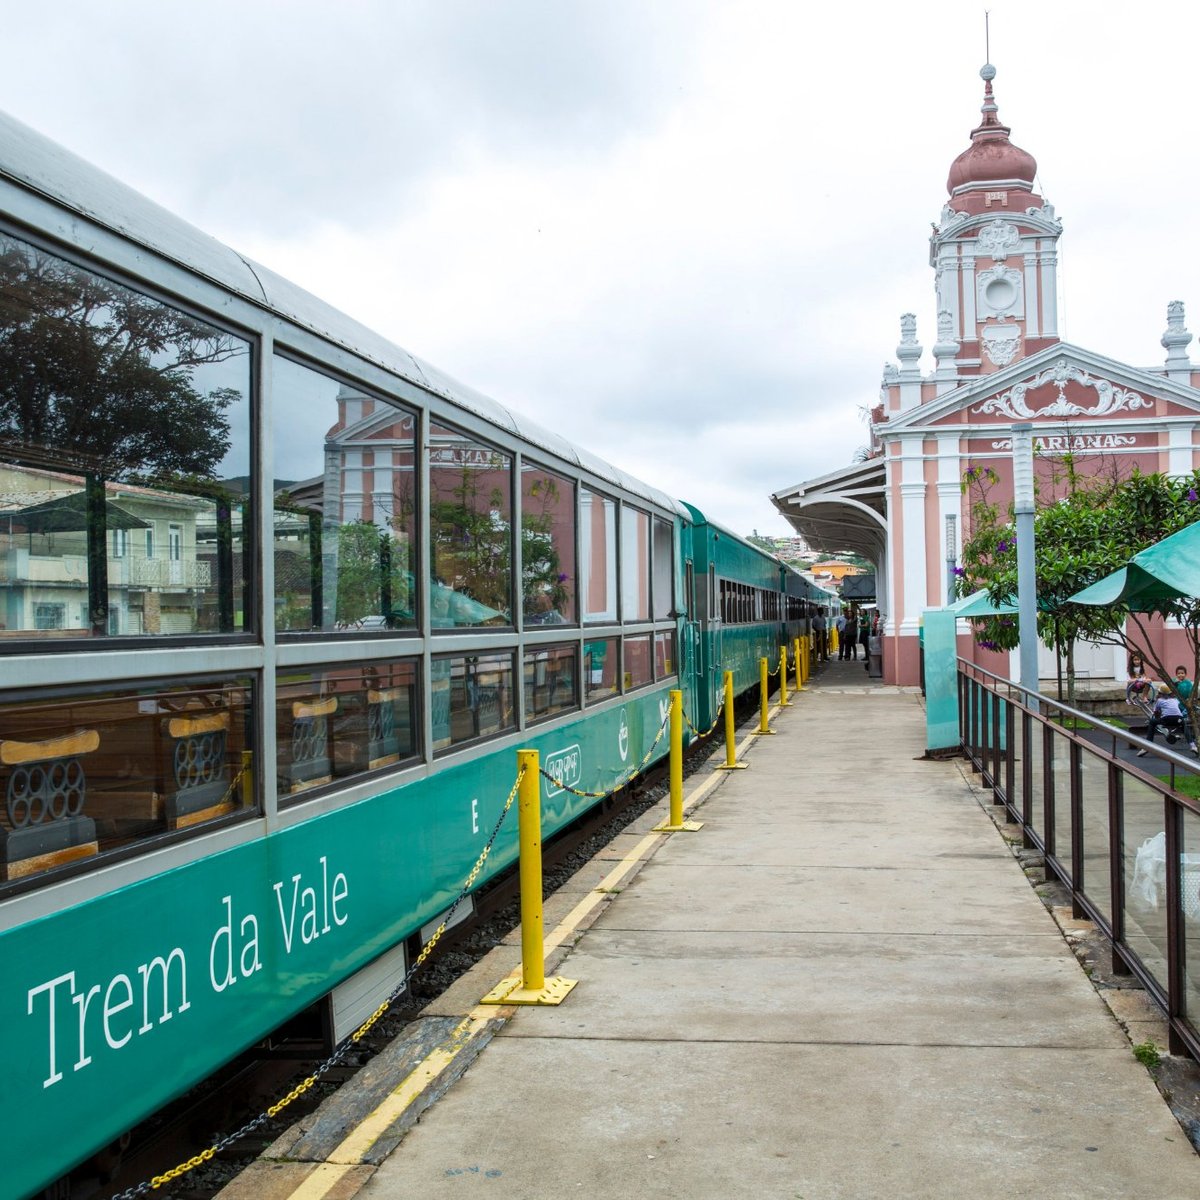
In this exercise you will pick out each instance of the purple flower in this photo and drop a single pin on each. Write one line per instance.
(562, 578)
(1192, 494)
(960, 571)
(1001, 546)
(986, 645)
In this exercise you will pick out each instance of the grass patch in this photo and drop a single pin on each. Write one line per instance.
(1147, 1054)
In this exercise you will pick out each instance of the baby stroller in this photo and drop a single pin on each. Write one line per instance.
(1172, 728)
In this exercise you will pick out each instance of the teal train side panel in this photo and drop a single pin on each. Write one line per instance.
(114, 1006)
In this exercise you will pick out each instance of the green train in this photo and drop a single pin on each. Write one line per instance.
(278, 604)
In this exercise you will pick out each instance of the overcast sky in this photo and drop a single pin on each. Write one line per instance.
(679, 232)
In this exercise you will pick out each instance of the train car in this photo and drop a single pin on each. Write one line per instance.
(742, 608)
(278, 603)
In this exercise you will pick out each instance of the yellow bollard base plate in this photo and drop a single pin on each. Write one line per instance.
(785, 704)
(511, 992)
(762, 732)
(683, 827)
(731, 767)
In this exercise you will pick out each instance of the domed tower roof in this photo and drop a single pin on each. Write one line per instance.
(991, 161)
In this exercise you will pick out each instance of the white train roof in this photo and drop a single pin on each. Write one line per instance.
(41, 165)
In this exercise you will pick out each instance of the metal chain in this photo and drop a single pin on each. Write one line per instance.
(336, 1057)
(620, 783)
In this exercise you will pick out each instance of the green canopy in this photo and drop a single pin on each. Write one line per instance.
(1168, 570)
(979, 604)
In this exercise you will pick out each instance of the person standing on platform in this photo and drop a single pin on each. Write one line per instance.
(844, 642)
(819, 633)
(864, 638)
(1183, 689)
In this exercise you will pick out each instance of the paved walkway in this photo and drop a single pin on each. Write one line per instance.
(842, 986)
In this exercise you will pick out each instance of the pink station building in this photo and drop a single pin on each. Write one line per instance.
(998, 360)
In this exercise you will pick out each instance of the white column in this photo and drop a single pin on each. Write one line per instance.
(1032, 292)
(1179, 449)
(968, 288)
(1050, 292)
(913, 569)
(949, 486)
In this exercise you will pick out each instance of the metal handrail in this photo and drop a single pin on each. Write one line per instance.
(989, 709)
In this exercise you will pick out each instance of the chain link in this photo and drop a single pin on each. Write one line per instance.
(619, 783)
(158, 1181)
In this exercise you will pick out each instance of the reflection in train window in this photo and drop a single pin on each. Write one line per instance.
(638, 670)
(551, 681)
(547, 547)
(345, 526)
(635, 565)
(117, 413)
(601, 668)
(597, 556)
(337, 722)
(664, 570)
(96, 771)
(470, 532)
(664, 655)
(471, 697)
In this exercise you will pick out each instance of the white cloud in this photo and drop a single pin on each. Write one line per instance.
(681, 233)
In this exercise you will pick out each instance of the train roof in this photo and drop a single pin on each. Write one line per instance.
(39, 164)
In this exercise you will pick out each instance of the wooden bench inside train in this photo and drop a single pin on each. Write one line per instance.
(82, 775)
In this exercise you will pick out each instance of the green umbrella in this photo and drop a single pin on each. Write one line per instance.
(1168, 570)
(979, 604)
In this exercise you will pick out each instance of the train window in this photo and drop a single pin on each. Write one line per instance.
(547, 547)
(635, 565)
(345, 533)
(638, 667)
(470, 532)
(597, 556)
(96, 771)
(472, 698)
(117, 412)
(551, 681)
(600, 668)
(664, 655)
(664, 570)
(336, 722)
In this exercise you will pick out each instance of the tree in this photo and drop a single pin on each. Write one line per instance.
(98, 378)
(1086, 527)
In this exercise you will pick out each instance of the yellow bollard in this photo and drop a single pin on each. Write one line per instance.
(533, 987)
(784, 702)
(731, 763)
(799, 668)
(764, 675)
(675, 823)
(807, 643)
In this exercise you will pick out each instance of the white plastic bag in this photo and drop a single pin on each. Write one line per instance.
(1149, 882)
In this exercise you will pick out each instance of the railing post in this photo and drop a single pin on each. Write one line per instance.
(731, 763)
(764, 679)
(799, 668)
(533, 987)
(675, 822)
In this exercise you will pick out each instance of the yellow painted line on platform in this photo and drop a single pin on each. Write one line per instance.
(321, 1182)
(375, 1124)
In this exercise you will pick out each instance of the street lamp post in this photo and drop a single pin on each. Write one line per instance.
(1022, 452)
(951, 554)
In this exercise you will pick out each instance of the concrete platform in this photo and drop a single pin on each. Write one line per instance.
(842, 987)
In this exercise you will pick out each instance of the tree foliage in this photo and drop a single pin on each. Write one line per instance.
(1086, 527)
(100, 379)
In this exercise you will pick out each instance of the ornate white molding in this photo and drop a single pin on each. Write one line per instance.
(1000, 343)
(999, 239)
(1000, 292)
(1110, 399)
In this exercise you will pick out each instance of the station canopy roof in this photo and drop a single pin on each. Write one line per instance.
(843, 512)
